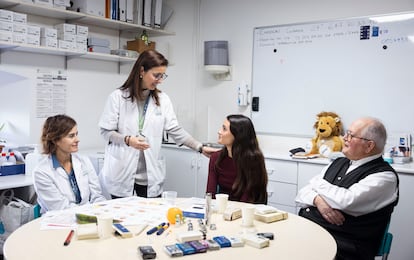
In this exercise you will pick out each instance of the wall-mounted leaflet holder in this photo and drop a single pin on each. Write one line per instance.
(255, 104)
(244, 94)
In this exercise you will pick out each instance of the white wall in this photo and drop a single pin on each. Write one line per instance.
(234, 20)
(200, 101)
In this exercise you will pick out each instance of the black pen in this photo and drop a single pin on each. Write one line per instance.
(69, 238)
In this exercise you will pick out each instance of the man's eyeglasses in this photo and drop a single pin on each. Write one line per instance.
(348, 137)
(159, 76)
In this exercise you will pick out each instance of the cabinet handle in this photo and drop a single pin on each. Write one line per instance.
(270, 171)
(193, 163)
(198, 164)
(269, 194)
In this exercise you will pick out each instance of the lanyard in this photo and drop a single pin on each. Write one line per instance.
(144, 111)
(75, 187)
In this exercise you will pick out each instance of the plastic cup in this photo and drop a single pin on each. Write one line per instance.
(169, 197)
(221, 202)
(248, 216)
(105, 226)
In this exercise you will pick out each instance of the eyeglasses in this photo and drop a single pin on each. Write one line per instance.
(348, 137)
(159, 76)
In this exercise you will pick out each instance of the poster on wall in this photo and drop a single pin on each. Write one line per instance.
(51, 92)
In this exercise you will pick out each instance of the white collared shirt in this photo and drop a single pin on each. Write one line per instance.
(368, 195)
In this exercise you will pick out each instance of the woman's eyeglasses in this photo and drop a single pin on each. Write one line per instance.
(348, 137)
(159, 76)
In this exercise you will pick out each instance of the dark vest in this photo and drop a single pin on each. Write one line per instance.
(367, 229)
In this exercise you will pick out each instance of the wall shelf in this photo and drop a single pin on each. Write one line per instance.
(52, 12)
(59, 52)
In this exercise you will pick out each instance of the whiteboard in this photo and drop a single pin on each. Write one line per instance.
(354, 67)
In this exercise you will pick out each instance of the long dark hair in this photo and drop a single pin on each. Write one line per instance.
(146, 60)
(249, 159)
(55, 128)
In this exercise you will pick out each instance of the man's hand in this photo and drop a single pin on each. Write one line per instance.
(331, 215)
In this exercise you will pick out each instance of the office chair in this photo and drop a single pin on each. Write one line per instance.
(385, 246)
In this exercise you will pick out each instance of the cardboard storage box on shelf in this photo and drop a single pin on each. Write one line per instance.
(18, 168)
(140, 46)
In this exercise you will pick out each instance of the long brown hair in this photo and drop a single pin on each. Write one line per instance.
(55, 128)
(249, 159)
(146, 60)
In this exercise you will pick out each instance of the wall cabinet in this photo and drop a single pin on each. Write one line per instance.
(72, 17)
(187, 171)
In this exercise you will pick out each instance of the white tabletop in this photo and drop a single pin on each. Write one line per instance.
(15, 181)
(295, 238)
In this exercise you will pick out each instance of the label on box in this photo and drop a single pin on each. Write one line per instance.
(48, 42)
(6, 37)
(19, 38)
(48, 32)
(6, 26)
(6, 15)
(33, 30)
(19, 28)
(19, 18)
(82, 30)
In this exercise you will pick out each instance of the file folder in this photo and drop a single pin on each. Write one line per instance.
(156, 13)
(147, 13)
(138, 11)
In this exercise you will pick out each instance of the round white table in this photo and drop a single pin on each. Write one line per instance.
(295, 238)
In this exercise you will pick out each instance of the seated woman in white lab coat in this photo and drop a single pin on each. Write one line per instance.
(63, 178)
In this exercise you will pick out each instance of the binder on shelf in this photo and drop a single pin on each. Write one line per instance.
(122, 10)
(129, 11)
(146, 21)
(156, 13)
(108, 9)
(138, 11)
(115, 9)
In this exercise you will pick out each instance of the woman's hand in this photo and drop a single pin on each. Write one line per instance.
(138, 142)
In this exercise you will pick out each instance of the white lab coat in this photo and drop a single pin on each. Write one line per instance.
(53, 188)
(121, 161)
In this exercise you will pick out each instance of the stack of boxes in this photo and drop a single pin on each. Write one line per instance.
(48, 37)
(63, 4)
(19, 21)
(14, 29)
(99, 45)
(6, 26)
(66, 35)
(82, 38)
(33, 35)
(72, 37)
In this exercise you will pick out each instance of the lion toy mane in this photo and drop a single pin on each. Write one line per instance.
(328, 139)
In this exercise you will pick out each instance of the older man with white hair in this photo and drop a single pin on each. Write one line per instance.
(354, 196)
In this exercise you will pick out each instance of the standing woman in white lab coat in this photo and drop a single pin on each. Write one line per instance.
(64, 179)
(132, 124)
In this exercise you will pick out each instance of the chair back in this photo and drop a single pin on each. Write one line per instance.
(386, 242)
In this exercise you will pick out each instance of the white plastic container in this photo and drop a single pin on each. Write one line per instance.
(12, 159)
(3, 159)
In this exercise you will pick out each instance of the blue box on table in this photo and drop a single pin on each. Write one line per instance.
(18, 168)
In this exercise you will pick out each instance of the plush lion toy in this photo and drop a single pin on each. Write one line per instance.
(328, 139)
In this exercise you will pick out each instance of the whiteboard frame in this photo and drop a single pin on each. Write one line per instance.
(310, 118)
